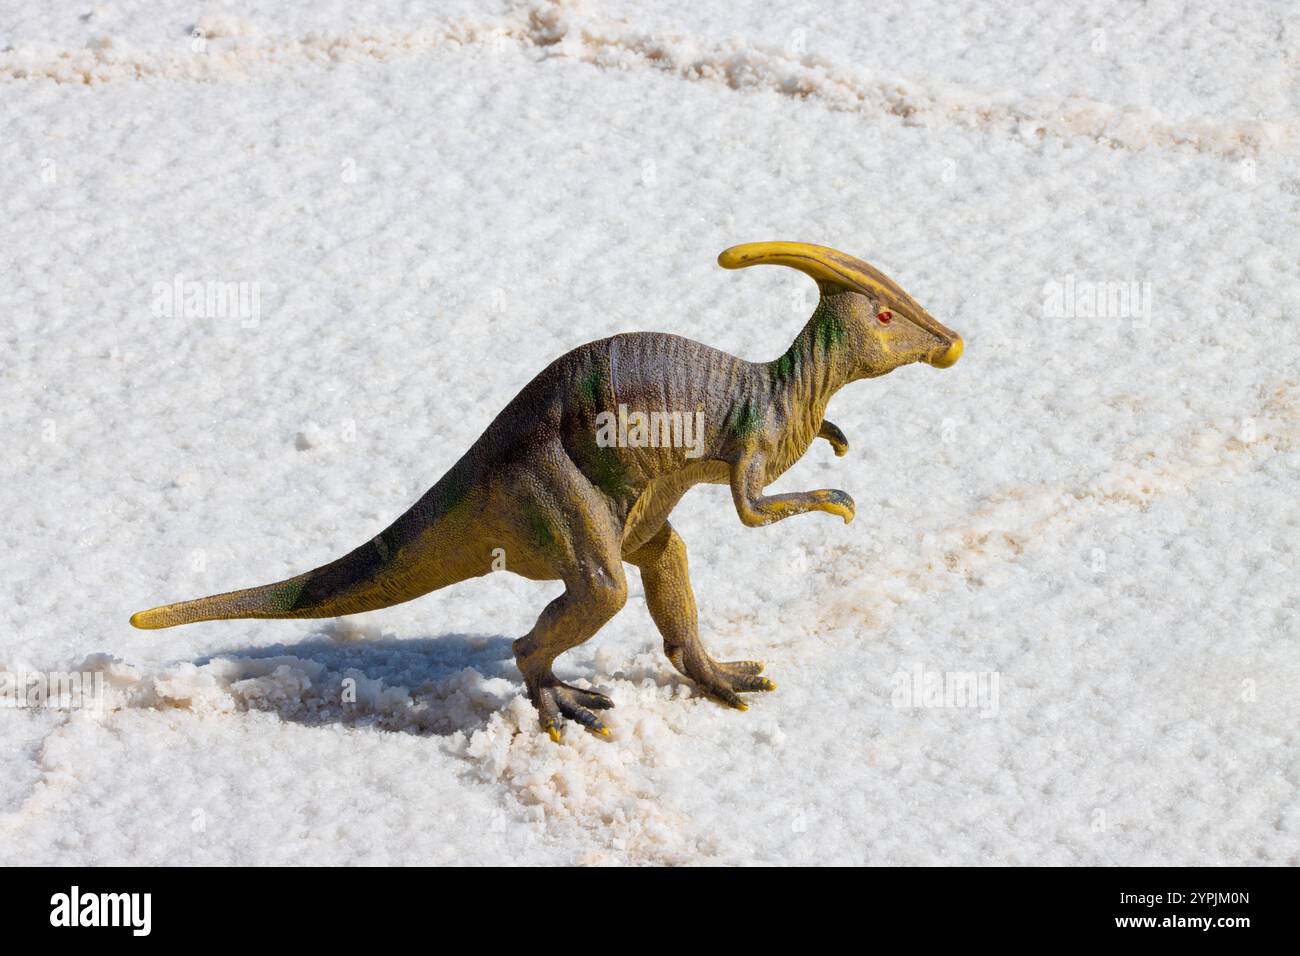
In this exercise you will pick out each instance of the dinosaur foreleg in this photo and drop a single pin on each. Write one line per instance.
(756, 508)
(831, 432)
(667, 582)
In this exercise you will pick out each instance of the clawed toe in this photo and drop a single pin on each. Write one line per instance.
(725, 681)
(740, 667)
(723, 694)
(750, 683)
(563, 701)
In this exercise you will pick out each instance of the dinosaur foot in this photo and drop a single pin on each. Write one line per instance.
(724, 680)
(557, 701)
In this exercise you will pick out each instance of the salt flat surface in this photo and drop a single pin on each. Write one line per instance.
(433, 203)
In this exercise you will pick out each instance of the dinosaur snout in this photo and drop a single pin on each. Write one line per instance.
(948, 354)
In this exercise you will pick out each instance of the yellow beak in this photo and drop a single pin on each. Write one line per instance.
(950, 356)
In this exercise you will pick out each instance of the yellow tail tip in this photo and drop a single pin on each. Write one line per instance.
(145, 620)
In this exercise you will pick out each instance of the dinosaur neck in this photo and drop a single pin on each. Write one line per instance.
(817, 364)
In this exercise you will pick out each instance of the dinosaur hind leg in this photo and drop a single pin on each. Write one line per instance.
(664, 574)
(568, 527)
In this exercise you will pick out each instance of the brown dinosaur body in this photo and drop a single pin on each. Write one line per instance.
(578, 474)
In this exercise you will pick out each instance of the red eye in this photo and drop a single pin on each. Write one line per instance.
(884, 317)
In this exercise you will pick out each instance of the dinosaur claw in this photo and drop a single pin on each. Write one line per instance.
(743, 676)
(597, 701)
(837, 503)
(725, 681)
(723, 693)
(559, 702)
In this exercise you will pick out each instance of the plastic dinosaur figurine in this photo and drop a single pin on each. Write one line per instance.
(579, 473)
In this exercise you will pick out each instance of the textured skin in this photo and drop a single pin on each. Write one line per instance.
(560, 505)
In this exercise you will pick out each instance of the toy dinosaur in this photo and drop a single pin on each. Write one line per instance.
(580, 471)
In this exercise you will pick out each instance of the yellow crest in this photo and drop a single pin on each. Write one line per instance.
(834, 271)
(827, 266)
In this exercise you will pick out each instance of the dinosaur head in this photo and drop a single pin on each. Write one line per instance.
(884, 326)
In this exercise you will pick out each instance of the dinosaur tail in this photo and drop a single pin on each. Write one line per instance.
(268, 600)
(422, 551)
(355, 582)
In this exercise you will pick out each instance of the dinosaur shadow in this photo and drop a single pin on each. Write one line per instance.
(453, 682)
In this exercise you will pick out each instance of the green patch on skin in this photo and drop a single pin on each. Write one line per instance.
(284, 598)
(539, 526)
(827, 331)
(589, 385)
(607, 471)
(744, 418)
(454, 490)
(787, 367)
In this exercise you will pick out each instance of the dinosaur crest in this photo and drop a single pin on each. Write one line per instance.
(836, 272)
(832, 270)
